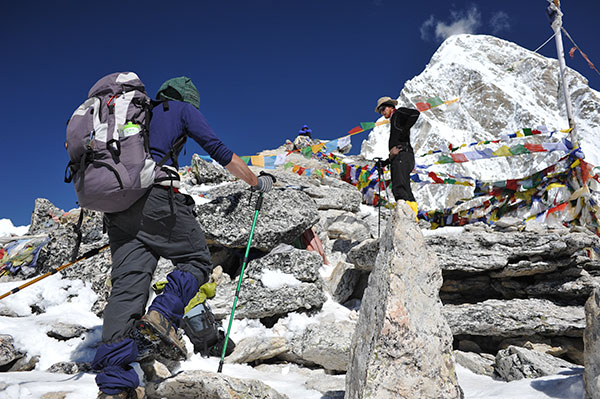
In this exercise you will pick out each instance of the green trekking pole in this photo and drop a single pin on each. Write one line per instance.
(239, 285)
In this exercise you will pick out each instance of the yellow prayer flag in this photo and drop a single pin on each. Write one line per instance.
(566, 130)
(296, 168)
(555, 185)
(520, 133)
(575, 164)
(317, 147)
(258, 160)
(503, 151)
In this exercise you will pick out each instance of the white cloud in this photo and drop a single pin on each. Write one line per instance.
(466, 21)
(499, 22)
(426, 26)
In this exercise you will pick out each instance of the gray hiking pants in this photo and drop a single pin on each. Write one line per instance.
(138, 237)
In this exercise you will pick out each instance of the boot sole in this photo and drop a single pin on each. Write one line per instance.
(165, 346)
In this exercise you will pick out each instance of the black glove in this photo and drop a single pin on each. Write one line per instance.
(265, 183)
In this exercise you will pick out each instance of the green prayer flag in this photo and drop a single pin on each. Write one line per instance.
(367, 125)
(518, 149)
(288, 165)
(246, 159)
(445, 159)
(307, 152)
(434, 101)
(527, 132)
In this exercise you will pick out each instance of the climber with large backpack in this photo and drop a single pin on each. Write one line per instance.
(123, 150)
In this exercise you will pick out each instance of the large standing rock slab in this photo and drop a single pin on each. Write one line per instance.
(591, 341)
(227, 219)
(514, 318)
(402, 345)
(206, 385)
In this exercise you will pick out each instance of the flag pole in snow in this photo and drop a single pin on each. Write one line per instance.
(555, 15)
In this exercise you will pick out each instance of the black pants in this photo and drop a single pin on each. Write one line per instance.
(138, 237)
(401, 166)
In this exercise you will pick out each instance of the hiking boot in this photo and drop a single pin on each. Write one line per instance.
(138, 393)
(158, 329)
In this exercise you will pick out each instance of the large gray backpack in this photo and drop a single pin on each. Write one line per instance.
(107, 141)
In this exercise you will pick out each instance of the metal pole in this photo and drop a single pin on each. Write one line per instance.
(556, 13)
(85, 256)
(239, 285)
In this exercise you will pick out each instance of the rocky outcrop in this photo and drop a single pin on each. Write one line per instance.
(12, 359)
(514, 363)
(478, 363)
(591, 340)
(364, 254)
(483, 263)
(326, 344)
(205, 172)
(517, 317)
(402, 345)
(257, 348)
(227, 219)
(64, 332)
(203, 384)
(298, 287)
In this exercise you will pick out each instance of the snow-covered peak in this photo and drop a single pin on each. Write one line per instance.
(501, 88)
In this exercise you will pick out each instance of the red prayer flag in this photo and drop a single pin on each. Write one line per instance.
(301, 170)
(572, 51)
(511, 185)
(534, 147)
(357, 129)
(558, 208)
(459, 158)
(435, 178)
(423, 106)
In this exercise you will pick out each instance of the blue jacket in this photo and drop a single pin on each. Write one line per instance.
(181, 119)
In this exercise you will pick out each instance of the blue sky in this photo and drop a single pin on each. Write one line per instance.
(263, 68)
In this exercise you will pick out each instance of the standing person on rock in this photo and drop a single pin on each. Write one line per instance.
(160, 224)
(401, 156)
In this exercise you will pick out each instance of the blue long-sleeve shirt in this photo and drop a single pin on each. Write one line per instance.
(181, 119)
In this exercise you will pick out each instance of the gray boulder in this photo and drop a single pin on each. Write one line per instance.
(227, 219)
(208, 173)
(478, 363)
(328, 192)
(349, 227)
(257, 300)
(402, 345)
(510, 253)
(591, 340)
(343, 281)
(70, 368)
(12, 359)
(303, 265)
(517, 317)
(194, 384)
(514, 363)
(364, 254)
(256, 348)
(65, 332)
(326, 344)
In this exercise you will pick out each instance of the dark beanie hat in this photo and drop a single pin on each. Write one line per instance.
(179, 89)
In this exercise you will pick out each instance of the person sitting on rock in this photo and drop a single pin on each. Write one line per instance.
(305, 131)
(160, 224)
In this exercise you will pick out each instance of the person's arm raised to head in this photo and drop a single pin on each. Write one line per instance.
(238, 168)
